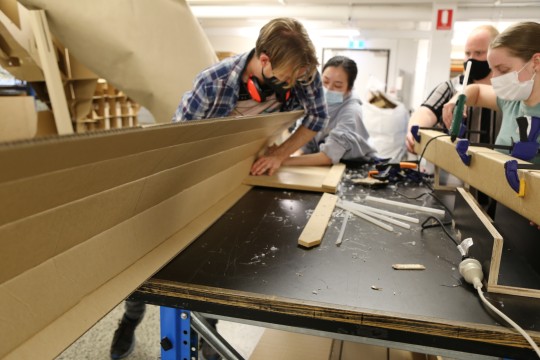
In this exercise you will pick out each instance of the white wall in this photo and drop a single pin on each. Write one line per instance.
(409, 52)
(402, 51)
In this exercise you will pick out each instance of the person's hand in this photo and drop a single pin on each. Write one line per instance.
(266, 164)
(448, 114)
(409, 141)
(270, 150)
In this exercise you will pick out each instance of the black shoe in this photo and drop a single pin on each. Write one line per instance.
(124, 338)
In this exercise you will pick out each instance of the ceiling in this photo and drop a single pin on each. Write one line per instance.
(367, 15)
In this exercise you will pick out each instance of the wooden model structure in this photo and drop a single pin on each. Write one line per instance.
(79, 100)
(486, 172)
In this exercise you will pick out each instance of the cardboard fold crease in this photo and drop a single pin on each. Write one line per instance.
(156, 189)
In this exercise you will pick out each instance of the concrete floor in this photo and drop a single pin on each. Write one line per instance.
(95, 343)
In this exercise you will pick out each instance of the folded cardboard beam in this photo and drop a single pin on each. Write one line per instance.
(85, 219)
(485, 173)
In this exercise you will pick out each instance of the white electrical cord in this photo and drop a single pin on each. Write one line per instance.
(508, 320)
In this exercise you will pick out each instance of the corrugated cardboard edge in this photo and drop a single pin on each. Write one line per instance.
(66, 321)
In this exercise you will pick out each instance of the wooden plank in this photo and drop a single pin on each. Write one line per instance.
(284, 345)
(333, 178)
(49, 64)
(332, 312)
(485, 173)
(307, 178)
(314, 231)
(496, 236)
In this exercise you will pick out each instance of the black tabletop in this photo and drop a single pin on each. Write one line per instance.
(253, 249)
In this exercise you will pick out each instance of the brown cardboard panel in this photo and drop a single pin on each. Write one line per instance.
(357, 351)
(38, 296)
(67, 225)
(58, 153)
(65, 329)
(133, 60)
(46, 125)
(485, 173)
(61, 254)
(22, 60)
(71, 168)
(18, 118)
(26, 197)
(283, 345)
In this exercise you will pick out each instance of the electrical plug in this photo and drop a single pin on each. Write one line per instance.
(471, 270)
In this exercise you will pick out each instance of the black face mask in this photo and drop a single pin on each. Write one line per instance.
(479, 70)
(282, 94)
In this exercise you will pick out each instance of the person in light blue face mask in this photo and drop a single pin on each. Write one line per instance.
(345, 137)
(514, 59)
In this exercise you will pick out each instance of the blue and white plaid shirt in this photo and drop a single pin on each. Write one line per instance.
(216, 89)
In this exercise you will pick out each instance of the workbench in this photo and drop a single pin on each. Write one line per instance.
(248, 267)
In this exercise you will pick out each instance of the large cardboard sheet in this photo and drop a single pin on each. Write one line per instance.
(151, 50)
(85, 219)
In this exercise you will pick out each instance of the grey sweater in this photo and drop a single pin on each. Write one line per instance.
(345, 136)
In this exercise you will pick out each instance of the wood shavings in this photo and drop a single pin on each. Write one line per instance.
(373, 287)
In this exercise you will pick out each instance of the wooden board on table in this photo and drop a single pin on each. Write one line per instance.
(316, 226)
(310, 178)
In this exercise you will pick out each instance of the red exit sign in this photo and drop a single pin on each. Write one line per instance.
(444, 19)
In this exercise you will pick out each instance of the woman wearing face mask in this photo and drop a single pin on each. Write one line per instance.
(345, 137)
(514, 59)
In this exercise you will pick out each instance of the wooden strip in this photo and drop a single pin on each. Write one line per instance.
(333, 178)
(49, 64)
(309, 178)
(496, 253)
(492, 334)
(376, 215)
(316, 226)
(408, 267)
(485, 173)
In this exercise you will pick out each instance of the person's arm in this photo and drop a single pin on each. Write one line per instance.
(422, 117)
(478, 95)
(271, 162)
(430, 112)
(314, 159)
(311, 96)
(196, 102)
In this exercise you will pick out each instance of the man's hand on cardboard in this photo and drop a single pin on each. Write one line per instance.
(266, 164)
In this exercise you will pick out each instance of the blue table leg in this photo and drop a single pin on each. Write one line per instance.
(178, 341)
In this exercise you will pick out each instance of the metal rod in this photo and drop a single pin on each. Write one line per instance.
(212, 337)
